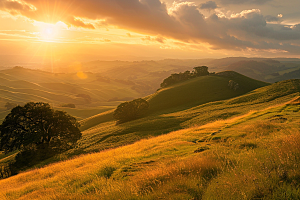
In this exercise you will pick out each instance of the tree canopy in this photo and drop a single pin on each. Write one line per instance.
(201, 71)
(37, 126)
(131, 110)
(177, 78)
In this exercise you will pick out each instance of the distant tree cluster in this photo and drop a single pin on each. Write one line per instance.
(131, 110)
(176, 78)
(38, 132)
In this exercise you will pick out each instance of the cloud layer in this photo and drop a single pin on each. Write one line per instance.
(184, 21)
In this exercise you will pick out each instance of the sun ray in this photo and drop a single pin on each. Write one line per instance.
(50, 32)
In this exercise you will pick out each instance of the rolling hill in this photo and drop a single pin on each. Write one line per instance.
(201, 90)
(244, 147)
(90, 92)
(268, 70)
(170, 109)
(197, 134)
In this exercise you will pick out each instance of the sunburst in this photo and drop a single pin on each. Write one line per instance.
(49, 32)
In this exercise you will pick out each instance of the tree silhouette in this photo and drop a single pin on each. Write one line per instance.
(201, 71)
(131, 110)
(38, 130)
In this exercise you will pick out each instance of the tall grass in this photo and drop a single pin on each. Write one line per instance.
(258, 160)
(271, 172)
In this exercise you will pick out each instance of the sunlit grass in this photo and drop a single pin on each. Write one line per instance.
(255, 158)
(231, 149)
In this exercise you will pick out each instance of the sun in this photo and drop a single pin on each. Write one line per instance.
(49, 32)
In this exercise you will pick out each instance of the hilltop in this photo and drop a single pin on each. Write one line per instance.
(201, 90)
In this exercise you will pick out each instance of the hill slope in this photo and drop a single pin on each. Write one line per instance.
(201, 90)
(107, 135)
(89, 92)
(252, 155)
(187, 94)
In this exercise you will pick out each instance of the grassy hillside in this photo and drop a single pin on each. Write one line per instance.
(101, 132)
(89, 92)
(203, 146)
(254, 155)
(201, 90)
(188, 94)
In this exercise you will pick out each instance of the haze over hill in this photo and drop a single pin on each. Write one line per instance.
(105, 83)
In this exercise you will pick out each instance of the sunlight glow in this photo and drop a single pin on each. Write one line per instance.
(50, 32)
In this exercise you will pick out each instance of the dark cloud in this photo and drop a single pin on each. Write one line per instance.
(270, 18)
(257, 2)
(209, 5)
(183, 22)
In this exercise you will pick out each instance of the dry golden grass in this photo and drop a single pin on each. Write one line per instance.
(259, 164)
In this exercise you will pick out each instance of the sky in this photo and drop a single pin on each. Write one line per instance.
(148, 29)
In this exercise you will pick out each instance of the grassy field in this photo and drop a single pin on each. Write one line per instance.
(231, 146)
(254, 155)
(100, 131)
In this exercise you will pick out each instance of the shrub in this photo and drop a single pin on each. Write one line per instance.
(131, 110)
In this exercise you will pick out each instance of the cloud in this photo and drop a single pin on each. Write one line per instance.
(183, 21)
(159, 39)
(257, 2)
(270, 18)
(80, 23)
(209, 5)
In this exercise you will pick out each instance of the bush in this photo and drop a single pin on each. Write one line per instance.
(131, 110)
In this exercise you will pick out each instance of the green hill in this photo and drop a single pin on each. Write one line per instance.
(200, 140)
(189, 93)
(100, 131)
(246, 147)
(201, 90)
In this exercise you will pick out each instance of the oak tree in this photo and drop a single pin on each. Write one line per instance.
(37, 129)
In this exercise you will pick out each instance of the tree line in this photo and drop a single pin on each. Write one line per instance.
(176, 78)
